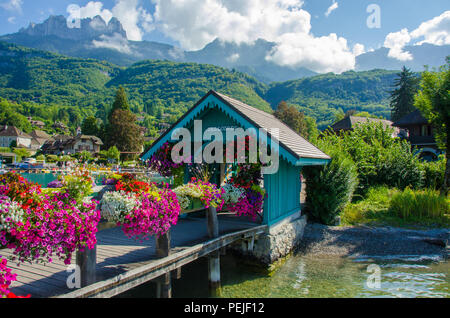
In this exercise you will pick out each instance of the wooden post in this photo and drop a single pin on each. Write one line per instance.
(86, 262)
(214, 274)
(163, 245)
(164, 283)
(213, 258)
(213, 222)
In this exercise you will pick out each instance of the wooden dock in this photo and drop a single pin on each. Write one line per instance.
(122, 263)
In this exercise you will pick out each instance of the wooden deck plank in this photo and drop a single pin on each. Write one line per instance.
(118, 255)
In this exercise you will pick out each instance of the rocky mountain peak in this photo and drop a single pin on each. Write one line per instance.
(87, 29)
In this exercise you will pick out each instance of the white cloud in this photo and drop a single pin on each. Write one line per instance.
(12, 5)
(233, 58)
(358, 49)
(131, 16)
(320, 54)
(395, 42)
(115, 42)
(12, 20)
(333, 7)
(435, 31)
(90, 10)
(195, 23)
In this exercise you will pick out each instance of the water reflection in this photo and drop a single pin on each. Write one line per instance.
(318, 277)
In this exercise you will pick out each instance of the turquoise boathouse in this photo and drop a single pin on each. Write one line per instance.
(283, 188)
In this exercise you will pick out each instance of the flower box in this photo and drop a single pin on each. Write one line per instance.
(196, 205)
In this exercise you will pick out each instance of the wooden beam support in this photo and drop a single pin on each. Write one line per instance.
(138, 276)
(214, 274)
(177, 273)
(213, 222)
(163, 245)
(86, 262)
(164, 285)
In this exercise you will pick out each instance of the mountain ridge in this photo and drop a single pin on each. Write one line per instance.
(108, 41)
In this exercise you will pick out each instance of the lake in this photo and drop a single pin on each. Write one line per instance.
(324, 277)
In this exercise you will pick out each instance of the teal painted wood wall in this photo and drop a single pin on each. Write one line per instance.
(283, 193)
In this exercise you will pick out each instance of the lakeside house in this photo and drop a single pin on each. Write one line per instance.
(11, 134)
(39, 139)
(283, 187)
(63, 144)
(420, 134)
(349, 123)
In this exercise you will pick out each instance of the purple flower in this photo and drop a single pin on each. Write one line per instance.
(55, 184)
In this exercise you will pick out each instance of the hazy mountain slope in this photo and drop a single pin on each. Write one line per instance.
(425, 54)
(323, 95)
(247, 58)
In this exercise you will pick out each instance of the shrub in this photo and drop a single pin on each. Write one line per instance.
(51, 158)
(330, 188)
(399, 168)
(434, 173)
(380, 159)
(40, 158)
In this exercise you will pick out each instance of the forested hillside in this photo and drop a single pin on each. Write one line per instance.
(51, 87)
(322, 96)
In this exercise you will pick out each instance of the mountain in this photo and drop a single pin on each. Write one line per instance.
(96, 39)
(425, 54)
(108, 41)
(50, 86)
(93, 39)
(322, 96)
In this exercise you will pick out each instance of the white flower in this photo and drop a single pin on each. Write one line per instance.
(10, 213)
(232, 194)
(117, 205)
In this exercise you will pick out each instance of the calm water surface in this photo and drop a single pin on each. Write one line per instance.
(305, 276)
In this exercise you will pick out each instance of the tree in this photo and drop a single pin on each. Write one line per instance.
(293, 118)
(121, 101)
(402, 97)
(433, 100)
(123, 132)
(90, 127)
(113, 153)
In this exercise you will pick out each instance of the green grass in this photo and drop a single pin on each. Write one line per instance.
(408, 208)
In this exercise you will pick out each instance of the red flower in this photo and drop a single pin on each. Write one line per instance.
(12, 295)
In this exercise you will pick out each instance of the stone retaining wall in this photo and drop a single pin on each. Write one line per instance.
(278, 242)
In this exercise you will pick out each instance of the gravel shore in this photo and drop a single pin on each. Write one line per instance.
(319, 239)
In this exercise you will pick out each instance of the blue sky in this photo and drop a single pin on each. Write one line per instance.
(302, 29)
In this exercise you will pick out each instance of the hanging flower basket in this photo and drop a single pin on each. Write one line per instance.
(195, 205)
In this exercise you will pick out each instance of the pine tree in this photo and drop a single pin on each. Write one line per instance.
(121, 101)
(122, 130)
(90, 126)
(402, 97)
